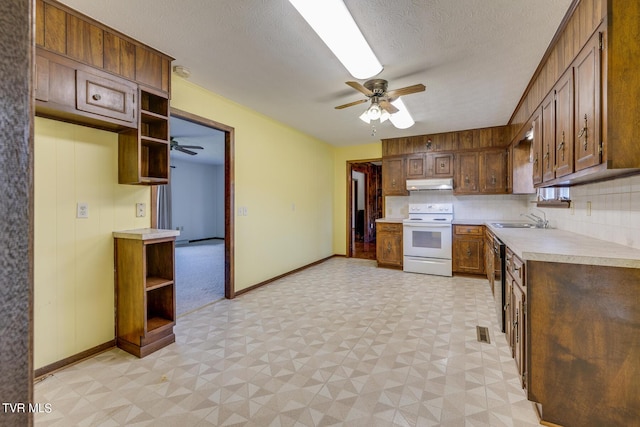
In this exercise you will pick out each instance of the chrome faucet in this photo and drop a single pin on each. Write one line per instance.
(541, 222)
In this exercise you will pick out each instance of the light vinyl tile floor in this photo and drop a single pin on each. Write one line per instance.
(342, 343)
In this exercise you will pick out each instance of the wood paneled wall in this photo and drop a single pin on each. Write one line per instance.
(470, 139)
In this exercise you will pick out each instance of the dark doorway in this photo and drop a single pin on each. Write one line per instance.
(364, 207)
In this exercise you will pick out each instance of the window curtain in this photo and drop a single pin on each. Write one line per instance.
(164, 206)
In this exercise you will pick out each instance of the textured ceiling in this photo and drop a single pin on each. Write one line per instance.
(475, 57)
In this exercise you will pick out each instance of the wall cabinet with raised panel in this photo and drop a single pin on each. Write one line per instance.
(393, 176)
(429, 165)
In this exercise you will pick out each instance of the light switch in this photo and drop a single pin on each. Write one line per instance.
(82, 210)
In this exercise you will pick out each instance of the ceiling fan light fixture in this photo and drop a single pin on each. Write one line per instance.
(365, 116)
(333, 23)
(402, 119)
(374, 112)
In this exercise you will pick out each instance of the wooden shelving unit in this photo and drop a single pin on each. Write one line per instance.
(145, 290)
(143, 153)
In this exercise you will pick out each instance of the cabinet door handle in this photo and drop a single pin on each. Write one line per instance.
(389, 247)
(96, 97)
(561, 146)
(583, 132)
(468, 252)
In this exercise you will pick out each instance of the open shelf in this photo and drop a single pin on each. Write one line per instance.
(143, 154)
(145, 293)
(157, 282)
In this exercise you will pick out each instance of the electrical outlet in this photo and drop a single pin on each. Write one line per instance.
(244, 211)
(82, 210)
(141, 210)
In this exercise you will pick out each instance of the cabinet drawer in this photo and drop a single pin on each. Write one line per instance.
(105, 95)
(515, 267)
(469, 230)
(389, 227)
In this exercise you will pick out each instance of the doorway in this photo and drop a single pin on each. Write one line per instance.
(227, 223)
(364, 206)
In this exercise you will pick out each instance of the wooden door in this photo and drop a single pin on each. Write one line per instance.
(467, 172)
(389, 245)
(441, 165)
(493, 171)
(587, 98)
(393, 177)
(564, 125)
(536, 147)
(416, 166)
(548, 137)
(519, 329)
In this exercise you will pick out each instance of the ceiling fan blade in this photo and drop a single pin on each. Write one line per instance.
(406, 90)
(184, 150)
(357, 86)
(351, 104)
(197, 147)
(388, 107)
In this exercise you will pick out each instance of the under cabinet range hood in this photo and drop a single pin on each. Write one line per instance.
(430, 184)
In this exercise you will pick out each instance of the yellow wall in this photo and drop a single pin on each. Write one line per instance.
(276, 167)
(341, 156)
(293, 186)
(73, 269)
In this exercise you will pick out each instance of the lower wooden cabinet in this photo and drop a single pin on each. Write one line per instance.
(468, 249)
(389, 244)
(516, 313)
(145, 290)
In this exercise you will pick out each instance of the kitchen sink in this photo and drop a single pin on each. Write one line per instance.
(513, 225)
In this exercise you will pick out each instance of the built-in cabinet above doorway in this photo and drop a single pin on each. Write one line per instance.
(89, 74)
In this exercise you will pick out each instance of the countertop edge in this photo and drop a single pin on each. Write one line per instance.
(145, 234)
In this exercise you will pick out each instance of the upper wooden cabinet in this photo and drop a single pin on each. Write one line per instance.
(66, 32)
(481, 172)
(587, 105)
(595, 55)
(89, 74)
(393, 176)
(493, 171)
(429, 165)
(467, 173)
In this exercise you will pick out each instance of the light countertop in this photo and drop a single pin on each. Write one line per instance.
(145, 234)
(392, 220)
(553, 245)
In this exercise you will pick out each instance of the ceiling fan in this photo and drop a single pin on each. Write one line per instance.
(175, 145)
(381, 99)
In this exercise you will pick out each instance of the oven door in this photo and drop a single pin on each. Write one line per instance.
(431, 240)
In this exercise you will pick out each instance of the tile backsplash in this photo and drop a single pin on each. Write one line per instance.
(614, 213)
(464, 207)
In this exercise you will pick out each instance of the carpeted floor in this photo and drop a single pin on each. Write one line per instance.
(199, 274)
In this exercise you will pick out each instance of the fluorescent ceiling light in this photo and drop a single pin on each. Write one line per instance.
(402, 119)
(331, 20)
